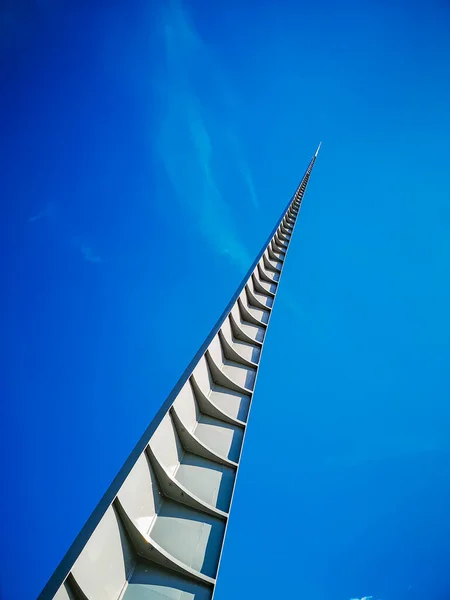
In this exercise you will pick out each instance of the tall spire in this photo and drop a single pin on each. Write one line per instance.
(160, 527)
(317, 151)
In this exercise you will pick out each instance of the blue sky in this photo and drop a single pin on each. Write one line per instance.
(146, 146)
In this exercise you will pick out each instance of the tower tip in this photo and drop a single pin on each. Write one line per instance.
(317, 151)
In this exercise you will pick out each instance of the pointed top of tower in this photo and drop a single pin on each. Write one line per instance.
(317, 151)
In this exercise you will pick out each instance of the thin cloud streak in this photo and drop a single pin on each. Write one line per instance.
(89, 255)
(59, 226)
(85, 249)
(193, 139)
(45, 212)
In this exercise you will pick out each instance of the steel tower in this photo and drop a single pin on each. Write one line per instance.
(159, 530)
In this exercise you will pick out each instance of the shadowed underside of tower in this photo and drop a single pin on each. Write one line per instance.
(159, 530)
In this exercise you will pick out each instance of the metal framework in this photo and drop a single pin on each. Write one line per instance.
(159, 530)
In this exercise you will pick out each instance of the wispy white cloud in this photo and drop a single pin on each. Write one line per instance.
(45, 212)
(198, 143)
(62, 230)
(86, 250)
(89, 255)
(243, 167)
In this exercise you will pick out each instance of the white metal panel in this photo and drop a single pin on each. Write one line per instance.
(210, 481)
(166, 445)
(254, 332)
(186, 534)
(139, 495)
(249, 352)
(231, 402)
(259, 314)
(105, 564)
(186, 407)
(154, 582)
(221, 437)
(264, 299)
(235, 404)
(64, 593)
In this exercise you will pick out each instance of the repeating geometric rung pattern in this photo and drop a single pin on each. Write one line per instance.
(162, 536)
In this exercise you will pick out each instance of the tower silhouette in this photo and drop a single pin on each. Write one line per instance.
(158, 531)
